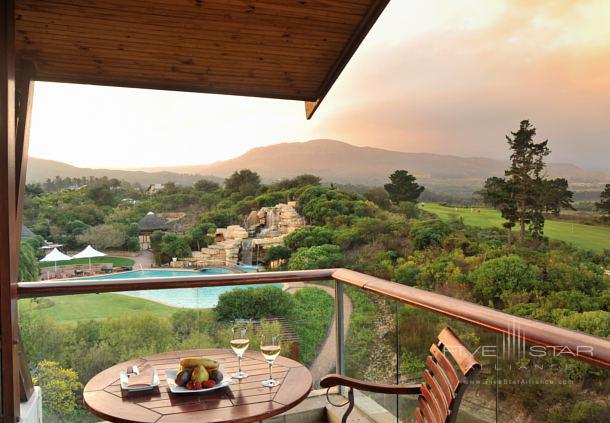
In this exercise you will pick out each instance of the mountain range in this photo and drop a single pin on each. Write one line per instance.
(39, 170)
(337, 162)
(343, 163)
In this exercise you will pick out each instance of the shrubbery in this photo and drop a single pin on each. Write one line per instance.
(254, 303)
(317, 257)
(308, 236)
(510, 274)
(429, 233)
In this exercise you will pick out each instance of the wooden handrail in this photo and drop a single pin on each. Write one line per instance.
(72, 287)
(560, 341)
(563, 342)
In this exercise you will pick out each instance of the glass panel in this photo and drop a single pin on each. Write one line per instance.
(371, 348)
(545, 385)
(69, 339)
(418, 330)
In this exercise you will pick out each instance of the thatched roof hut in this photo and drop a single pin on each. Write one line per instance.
(151, 222)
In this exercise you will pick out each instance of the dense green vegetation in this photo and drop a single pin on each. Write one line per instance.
(311, 317)
(308, 311)
(378, 233)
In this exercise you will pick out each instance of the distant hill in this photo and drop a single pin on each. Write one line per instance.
(40, 170)
(344, 163)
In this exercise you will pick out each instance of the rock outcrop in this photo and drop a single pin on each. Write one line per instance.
(265, 228)
(281, 219)
(223, 253)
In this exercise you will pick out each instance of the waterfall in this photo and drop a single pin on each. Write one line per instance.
(272, 219)
(246, 251)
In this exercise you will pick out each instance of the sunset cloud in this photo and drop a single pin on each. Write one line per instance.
(449, 76)
(457, 88)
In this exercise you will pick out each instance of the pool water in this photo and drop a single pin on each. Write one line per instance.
(180, 297)
(248, 268)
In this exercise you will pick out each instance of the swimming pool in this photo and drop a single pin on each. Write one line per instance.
(248, 268)
(180, 297)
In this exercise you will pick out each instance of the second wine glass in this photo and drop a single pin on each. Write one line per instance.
(270, 348)
(239, 344)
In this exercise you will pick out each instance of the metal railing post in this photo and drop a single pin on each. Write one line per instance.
(340, 325)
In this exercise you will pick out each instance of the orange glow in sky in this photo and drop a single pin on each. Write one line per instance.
(445, 76)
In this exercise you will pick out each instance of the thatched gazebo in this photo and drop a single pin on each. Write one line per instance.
(149, 224)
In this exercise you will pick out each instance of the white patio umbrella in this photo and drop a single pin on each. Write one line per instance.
(89, 252)
(55, 255)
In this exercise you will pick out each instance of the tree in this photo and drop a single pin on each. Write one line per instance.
(299, 181)
(254, 303)
(509, 274)
(308, 236)
(499, 193)
(408, 209)
(277, 252)
(200, 237)
(101, 195)
(316, 257)
(220, 218)
(429, 233)
(403, 187)
(245, 181)
(205, 185)
(103, 237)
(603, 206)
(174, 245)
(380, 197)
(33, 190)
(525, 195)
(60, 387)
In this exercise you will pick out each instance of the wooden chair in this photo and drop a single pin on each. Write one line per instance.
(440, 393)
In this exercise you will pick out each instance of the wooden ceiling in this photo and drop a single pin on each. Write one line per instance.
(288, 49)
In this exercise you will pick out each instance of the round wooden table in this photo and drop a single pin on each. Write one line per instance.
(244, 401)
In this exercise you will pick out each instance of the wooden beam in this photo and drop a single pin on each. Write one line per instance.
(311, 107)
(357, 37)
(9, 256)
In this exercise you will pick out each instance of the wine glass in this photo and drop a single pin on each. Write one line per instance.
(270, 348)
(239, 344)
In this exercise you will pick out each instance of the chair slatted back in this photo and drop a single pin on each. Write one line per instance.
(444, 385)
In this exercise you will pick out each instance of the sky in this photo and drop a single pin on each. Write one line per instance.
(437, 76)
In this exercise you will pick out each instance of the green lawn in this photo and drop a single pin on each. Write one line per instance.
(596, 238)
(71, 308)
(116, 262)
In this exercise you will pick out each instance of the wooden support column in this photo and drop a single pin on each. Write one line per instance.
(24, 94)
(9, 255)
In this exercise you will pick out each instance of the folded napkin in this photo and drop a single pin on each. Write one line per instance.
(143, 379)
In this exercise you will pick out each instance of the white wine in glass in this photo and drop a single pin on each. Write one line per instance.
(270, 348)
(240, 344)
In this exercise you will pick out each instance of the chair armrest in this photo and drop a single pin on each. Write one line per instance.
(333, 380)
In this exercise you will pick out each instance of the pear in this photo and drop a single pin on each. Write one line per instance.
(200, 374)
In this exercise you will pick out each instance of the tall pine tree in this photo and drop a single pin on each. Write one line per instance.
(403, 187)
(525, 195)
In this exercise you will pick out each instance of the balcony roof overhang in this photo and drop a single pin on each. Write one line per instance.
(263, 48)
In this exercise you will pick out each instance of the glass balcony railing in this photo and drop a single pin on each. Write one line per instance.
(344, 322)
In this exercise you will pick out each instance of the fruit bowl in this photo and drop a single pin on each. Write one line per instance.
(170, 376)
